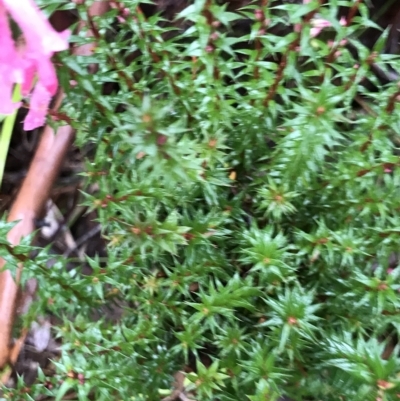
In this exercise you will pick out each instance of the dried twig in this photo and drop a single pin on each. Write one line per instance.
(80, 241)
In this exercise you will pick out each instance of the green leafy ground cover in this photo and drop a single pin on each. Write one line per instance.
(248, 189)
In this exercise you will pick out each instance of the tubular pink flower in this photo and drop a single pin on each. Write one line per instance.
(41, 41)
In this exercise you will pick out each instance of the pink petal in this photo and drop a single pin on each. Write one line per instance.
(43, 67)
(9, 70)
(47, 74)
(315, 32)
(39, 34)
(8, 54)
(38, 107)
(29, 73)
(318, 24)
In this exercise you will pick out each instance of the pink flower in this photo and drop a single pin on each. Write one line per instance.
(318, 24)
(22, 65)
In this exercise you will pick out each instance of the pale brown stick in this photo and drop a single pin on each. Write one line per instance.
(31, 198)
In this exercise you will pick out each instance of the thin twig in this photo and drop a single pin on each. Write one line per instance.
(80, 241)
